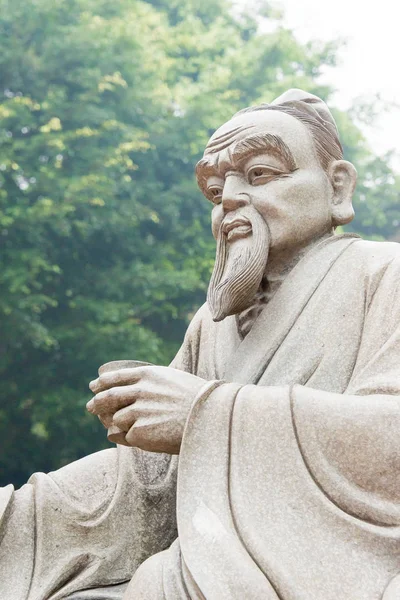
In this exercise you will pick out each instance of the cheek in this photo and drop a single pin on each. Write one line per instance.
(217, 215)
(305, 195)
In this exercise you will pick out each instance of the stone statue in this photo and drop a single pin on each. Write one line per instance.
(283, 405)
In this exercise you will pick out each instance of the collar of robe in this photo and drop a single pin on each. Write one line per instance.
(277, 318)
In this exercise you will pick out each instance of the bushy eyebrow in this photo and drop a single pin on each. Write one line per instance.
(256, 143)
(244, 149)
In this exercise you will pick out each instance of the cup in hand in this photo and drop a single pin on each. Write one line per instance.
(114, 433)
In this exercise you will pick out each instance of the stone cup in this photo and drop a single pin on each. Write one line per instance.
(114, 433)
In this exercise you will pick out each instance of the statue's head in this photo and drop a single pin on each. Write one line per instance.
(276, 176)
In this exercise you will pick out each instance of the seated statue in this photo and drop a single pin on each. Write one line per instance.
(264, 462)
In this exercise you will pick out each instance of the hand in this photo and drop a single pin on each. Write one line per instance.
(151, 404)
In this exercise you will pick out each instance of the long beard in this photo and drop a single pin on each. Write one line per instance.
(238, 269)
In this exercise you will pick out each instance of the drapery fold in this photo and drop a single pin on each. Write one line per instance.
(288, 489)
(211, 546)
(279, 483)
(91, 524)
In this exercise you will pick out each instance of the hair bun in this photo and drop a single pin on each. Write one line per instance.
(306, 102)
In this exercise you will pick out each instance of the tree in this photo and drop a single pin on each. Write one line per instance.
(106, 248)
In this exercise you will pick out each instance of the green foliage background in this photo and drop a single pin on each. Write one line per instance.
(105, 246)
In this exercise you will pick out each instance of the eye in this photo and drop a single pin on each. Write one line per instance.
(259, 174)
(215, 193)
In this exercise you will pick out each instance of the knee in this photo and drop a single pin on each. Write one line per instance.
(147, 581)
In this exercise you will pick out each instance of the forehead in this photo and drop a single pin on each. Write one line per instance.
(294, 133)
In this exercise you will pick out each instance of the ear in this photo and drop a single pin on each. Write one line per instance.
(343, 177)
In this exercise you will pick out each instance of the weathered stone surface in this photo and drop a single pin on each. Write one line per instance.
(283, 404)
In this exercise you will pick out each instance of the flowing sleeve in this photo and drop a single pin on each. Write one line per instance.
(279, 486)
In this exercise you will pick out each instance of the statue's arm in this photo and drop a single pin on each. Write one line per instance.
(353, 439)
(350, 442)
(346, 445)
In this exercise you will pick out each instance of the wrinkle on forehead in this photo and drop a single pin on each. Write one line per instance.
(220, 142)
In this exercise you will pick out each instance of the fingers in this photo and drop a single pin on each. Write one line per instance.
(115, 435)
(115, 379)
(152, 435)
(141, 436)
(148, 428)
(106, 420)
(125, 418)
(143, 409)
(118, 438)
(112, 400)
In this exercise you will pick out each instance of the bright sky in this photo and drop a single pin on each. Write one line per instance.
(369, 63)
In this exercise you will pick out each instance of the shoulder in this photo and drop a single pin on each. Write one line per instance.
(200, 321)
(378, 266)
(187, 357)
(375, 256)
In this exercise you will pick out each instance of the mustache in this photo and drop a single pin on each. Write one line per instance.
(239, 267)
(229, 224)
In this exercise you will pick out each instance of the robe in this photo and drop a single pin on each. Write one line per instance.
(289, 470)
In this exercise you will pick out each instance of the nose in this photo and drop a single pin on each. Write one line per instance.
(233, 196)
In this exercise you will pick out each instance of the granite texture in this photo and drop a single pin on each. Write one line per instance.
(283, 405)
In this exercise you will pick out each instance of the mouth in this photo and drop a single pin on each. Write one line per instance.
(237, 228)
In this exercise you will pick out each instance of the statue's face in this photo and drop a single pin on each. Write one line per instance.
(283, 181)
(270, 195)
